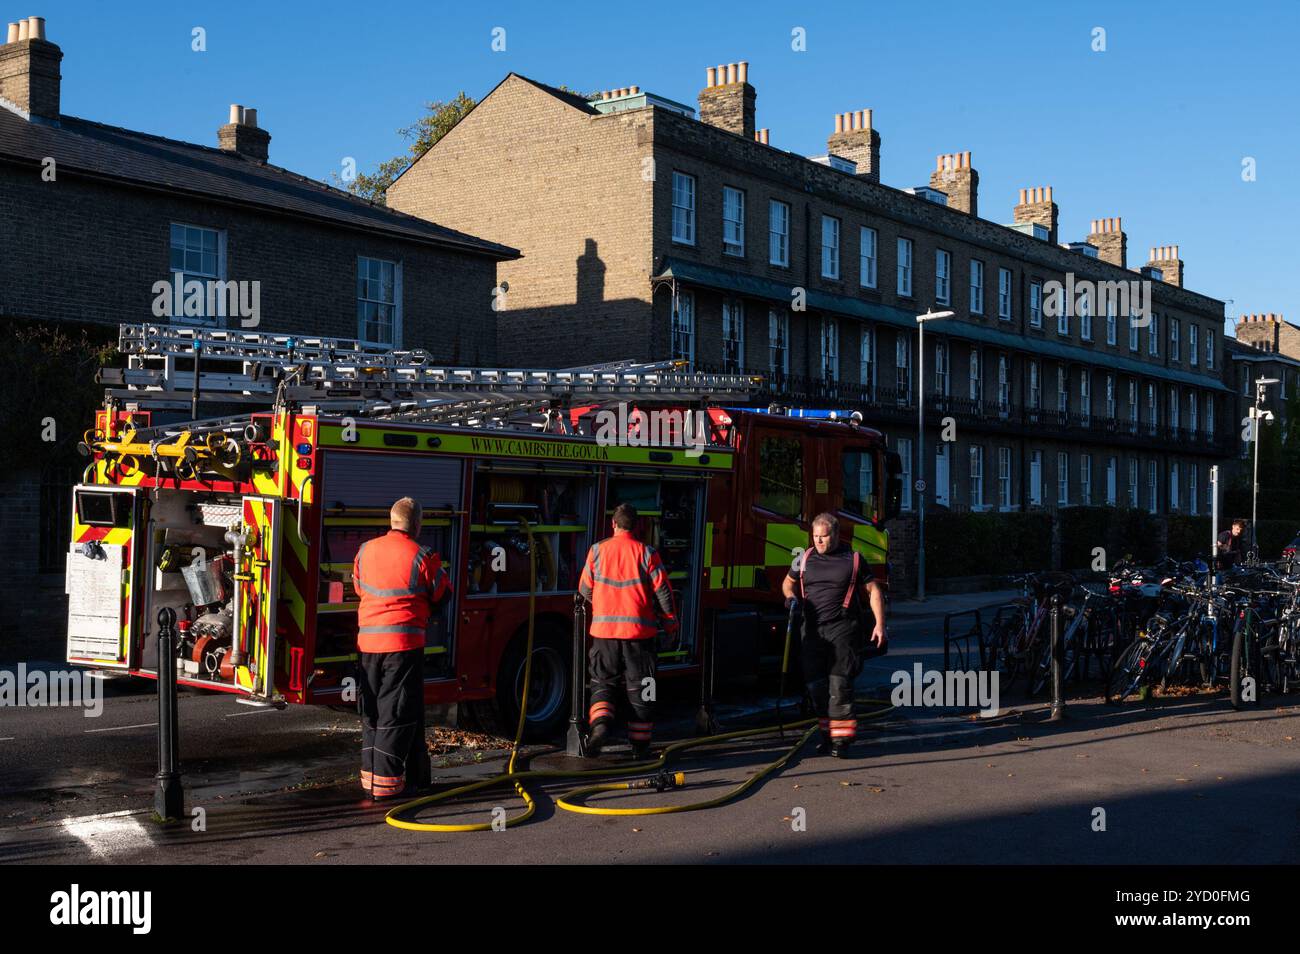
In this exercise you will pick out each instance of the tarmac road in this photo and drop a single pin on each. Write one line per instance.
(1180, 780)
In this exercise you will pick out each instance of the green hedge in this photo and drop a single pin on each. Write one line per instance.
(1135, 533)
(48, 371)
(1189, 537)
(1119, 531)
(975, 544)
(1273, 535)
(1083, 529)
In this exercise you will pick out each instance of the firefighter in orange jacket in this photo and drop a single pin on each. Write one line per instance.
(625, 582)
(400, 583)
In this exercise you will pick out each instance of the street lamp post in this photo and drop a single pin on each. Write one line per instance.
(920, 485)
(1258, 417)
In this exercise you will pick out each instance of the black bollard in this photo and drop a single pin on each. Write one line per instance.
(575, 744)
(169, 797)
(1058, 664)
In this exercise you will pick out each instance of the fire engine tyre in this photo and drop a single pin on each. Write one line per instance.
(548, 696)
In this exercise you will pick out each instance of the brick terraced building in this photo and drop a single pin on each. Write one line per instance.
(649, 232)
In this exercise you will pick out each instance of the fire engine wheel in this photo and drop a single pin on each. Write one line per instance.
(548, 696)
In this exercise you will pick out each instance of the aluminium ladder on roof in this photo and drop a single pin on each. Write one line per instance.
(338, 375)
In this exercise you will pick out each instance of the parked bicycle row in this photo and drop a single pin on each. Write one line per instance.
(1171, 624)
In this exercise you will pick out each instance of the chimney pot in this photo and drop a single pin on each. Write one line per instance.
(743, 72)
(250, 117)
(711, 76)
(839, 122)
(236, 113)
(22, 29)
(13, 33)
(731, 73)
(35, 28)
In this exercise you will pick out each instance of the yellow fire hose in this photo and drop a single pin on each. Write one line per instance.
(572, 800)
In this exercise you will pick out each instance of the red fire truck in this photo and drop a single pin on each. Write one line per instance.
(246, 523)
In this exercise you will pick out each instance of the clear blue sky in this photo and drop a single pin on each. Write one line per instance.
(1154, 128)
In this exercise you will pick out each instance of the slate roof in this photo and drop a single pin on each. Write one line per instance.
(206, 172)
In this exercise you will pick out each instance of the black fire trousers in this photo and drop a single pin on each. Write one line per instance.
(393, 750)
(831, 654)
(631, 662)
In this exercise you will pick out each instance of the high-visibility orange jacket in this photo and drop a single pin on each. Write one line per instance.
(399, 582)
(625, 581)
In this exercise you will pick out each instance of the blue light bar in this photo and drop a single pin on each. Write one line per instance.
(838, 414)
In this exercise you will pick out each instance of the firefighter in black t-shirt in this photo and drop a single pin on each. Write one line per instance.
(833, 584)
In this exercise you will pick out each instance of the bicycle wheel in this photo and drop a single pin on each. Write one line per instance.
(1245, 665)
(1126, 671)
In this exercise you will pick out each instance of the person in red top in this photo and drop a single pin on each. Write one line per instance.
(400, 583)
(625, 582)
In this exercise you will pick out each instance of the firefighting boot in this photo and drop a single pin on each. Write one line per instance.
(597, 738)
(840, 749)
(824, 736)
(640, 751)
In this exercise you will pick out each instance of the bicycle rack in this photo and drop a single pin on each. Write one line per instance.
(976, 631)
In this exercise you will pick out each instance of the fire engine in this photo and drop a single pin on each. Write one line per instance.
(246, 523)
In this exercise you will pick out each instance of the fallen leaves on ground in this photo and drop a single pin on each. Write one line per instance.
(442, 740)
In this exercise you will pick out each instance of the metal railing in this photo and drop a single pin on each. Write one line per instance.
(887, 404)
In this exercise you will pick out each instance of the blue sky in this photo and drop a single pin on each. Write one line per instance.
(1154, 129)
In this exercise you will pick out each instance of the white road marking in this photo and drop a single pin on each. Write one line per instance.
(7, 739)
(109, 833)
(235, 715)
(119, 728)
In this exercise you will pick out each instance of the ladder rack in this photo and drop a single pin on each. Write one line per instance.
(338, 375)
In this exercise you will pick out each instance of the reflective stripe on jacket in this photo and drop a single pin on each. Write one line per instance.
(628, 588)
(398, 582)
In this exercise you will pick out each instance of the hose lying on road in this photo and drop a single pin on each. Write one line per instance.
(572, 800)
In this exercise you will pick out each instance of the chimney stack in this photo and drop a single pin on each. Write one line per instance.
(1264, 332)
(953, 175)
(856, 141)
(1165, 258)
(242, 135)
(727, 100)
(29, 69)
(1108, 238)
(1036, 205)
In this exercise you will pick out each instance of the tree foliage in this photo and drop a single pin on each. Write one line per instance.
(1279, 468)
(438, 119)
(48, 394)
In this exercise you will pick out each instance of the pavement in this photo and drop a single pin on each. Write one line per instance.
(1177, 780)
